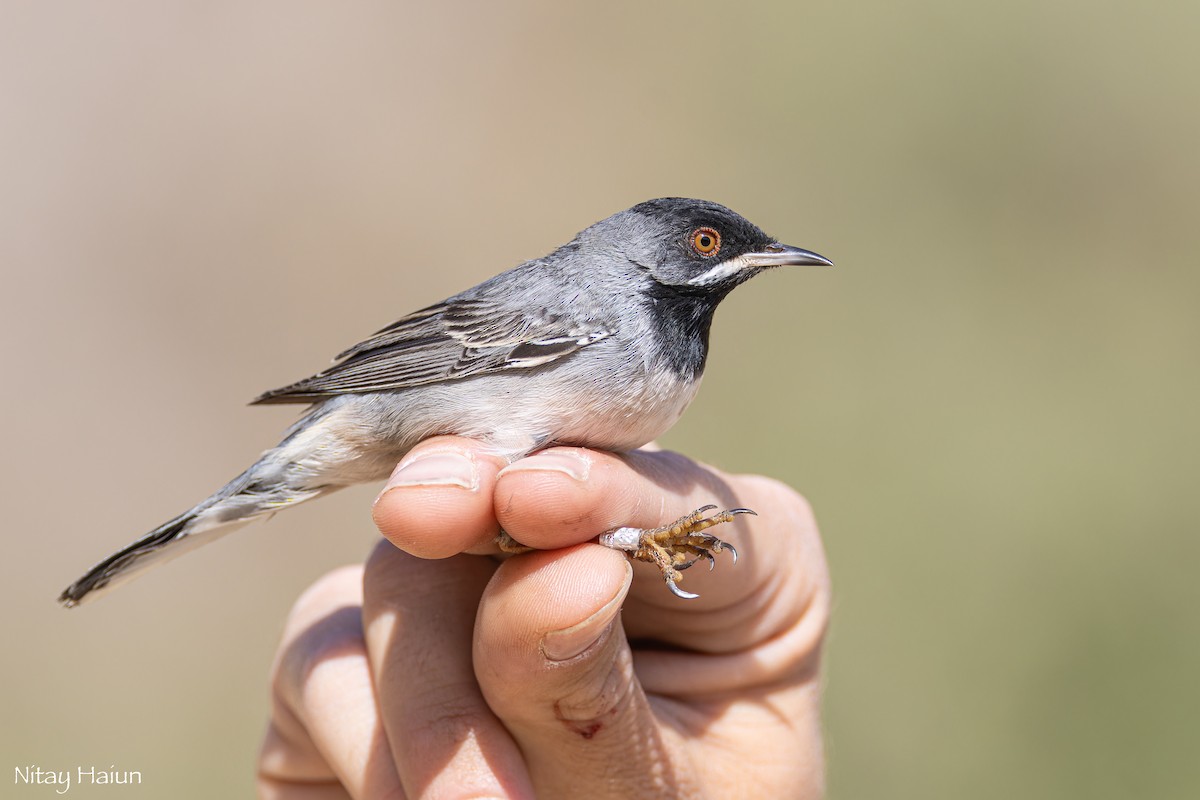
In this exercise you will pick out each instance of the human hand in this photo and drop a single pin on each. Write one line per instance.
(564, 672)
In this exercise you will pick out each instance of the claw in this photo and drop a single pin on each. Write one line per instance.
(674, 587)
(677, 546)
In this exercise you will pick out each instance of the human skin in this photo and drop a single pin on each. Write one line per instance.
(566, 671)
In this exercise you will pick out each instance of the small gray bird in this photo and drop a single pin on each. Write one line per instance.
(600, 344)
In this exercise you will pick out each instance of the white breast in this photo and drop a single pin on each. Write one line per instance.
(625, 415)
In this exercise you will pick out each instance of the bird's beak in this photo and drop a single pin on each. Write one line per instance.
(784, 255)
(773, 255)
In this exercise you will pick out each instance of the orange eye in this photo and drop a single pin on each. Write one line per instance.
(706, 241)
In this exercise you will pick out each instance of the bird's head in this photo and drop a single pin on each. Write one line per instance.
(694, 246)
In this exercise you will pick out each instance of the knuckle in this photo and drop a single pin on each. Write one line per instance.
(594, 701)
(384, 569)
(324, 622)
(444, 715)
(334, 635)
(333, 589)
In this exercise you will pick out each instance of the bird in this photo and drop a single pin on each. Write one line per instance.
(601, 344)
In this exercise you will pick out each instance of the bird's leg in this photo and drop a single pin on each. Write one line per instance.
(675, 547)
(508, 544)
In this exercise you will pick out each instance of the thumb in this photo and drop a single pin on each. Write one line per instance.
(553, 663)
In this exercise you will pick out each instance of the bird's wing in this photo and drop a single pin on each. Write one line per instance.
(454, 339)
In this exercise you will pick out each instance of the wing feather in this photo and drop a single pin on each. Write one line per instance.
(454, 339)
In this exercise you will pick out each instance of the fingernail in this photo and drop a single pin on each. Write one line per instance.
(446, 468)
(565, 644)
(568, 462)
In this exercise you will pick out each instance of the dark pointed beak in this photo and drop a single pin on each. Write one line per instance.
(784, 255)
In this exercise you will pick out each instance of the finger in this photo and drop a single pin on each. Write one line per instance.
(269, 789)
(324, 732)
(567, 495)
(445, 740)
(438, 501)
(553, 663)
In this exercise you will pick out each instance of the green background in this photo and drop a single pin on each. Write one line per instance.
(991, 402)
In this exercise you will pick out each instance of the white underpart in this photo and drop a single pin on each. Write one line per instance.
(618, 411)
(721, 271)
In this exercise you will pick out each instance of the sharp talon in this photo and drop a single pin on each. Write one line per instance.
(674, 587)
(677, 546)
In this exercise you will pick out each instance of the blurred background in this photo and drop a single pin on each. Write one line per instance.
(991, 402)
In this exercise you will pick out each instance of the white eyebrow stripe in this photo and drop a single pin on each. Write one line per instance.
(720, 271)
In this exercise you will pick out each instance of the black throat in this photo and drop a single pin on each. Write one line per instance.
(682, 319)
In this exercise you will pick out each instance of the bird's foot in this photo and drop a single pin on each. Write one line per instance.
(508, 544)
(675, 547)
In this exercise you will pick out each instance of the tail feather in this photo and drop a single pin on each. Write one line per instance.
(238, 502)
(294, 471)
(165, 542)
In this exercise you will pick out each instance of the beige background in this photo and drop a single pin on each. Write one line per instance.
(991, 401)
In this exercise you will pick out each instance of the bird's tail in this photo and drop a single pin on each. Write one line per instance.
(235, 504)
